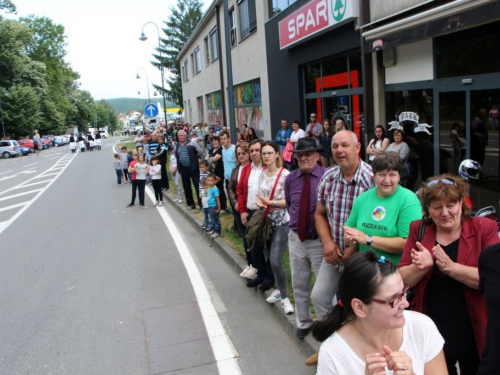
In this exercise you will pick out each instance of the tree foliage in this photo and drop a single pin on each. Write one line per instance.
(178, 28)
(39, 90)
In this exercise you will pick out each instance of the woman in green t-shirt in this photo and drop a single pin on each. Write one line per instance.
(380, 218)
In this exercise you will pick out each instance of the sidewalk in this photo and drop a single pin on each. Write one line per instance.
(308, 345)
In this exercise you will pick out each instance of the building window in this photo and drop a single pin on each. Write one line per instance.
(232, 26)
(207, 52)
(201, 112)
(214, 108)
(192, 65)
(185, 71)
(214, 46)
(248, 105)
(197, 60)
(278, 6)
(248, 17)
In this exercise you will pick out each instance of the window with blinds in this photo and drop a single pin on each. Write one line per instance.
(248, 17)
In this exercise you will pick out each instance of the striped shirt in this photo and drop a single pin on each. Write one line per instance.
(338, 196)
(183, 155)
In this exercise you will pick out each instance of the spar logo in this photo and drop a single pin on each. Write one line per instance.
(379, 213)
(338, 8)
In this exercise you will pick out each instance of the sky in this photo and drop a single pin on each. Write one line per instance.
(103, 41)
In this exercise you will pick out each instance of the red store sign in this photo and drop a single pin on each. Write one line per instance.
(315, 17)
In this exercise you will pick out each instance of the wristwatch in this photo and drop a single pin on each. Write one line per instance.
(275, 204)
(369, 240)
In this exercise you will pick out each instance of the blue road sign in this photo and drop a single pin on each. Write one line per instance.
(132, 122)
(151, 110)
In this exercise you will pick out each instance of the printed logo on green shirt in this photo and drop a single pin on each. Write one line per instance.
(379, 213)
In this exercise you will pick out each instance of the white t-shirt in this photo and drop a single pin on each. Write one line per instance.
(155, 172)
(295, 136)
(253, 186)
(141, 171)
(421, 341)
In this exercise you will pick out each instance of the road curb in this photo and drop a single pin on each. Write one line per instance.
(308, 345)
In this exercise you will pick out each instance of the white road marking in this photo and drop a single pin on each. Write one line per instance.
(6, 172)
(13, 206)
(4, 225)
(224, 351)
(30, 164)
(27, 185)
(20, 194)
(17, 174)
(47, 175)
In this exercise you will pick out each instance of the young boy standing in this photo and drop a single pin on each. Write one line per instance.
(207, 224)
(124, 162)
(214, 204)
(203, 172)
(118, 168)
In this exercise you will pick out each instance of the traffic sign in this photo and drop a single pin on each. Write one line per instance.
(132, 122)
(151, 110)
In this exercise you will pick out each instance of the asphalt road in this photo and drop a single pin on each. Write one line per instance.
(88, 286)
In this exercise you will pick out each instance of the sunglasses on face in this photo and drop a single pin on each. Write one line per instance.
(446, 181)
(394, 301)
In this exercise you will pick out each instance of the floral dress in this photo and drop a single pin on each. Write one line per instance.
(278, 216)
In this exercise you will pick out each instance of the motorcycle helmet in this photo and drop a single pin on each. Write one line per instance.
(469, 169)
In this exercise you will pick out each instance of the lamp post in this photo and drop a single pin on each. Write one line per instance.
(147, 81)
(144, 38)
(1, 113)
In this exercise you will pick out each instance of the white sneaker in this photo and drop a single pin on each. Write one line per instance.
(180, 201)
(160, 204)
(156, 203)
(251, 273)
(287, 306)
(176, 200)
(245, 271)
(274, 297)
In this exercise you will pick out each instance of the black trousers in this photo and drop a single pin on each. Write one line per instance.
(157, 189)
(187, 175)
(164, 176)
(141, 186)
(134, 191)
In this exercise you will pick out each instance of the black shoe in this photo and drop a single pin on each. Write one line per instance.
(254, 282)
(192, 207)
(266, 285)
(130, 205)
(302, 332)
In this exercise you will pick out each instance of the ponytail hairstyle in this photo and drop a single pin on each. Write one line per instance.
(361, 279)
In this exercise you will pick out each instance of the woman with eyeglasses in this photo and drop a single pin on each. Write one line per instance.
(369, 332)
(440, 259)
(272, 179)
(380, 217)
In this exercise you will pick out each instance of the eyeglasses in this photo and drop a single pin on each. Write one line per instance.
(396, 300)
(446, 181)
(267, 153)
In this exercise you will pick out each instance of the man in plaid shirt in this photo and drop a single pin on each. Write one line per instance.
(337, 190)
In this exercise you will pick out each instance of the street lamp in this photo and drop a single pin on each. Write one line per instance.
(147, 81)
(1, 113)
(144, 38)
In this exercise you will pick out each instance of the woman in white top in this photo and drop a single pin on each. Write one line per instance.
(141, 171)
(278, 214)
(155, 173)
(369, 333)
(377, 144)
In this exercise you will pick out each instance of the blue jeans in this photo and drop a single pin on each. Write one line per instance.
(214, 217)
(276, 250)
(118, 176)
(206, 218)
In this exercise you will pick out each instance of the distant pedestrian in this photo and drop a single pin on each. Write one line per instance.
(207, 223)
(214, 205)
(141, 173)
(176, 175)
(72, 144)
(118, 168)
(125, 162)
(133, 181)
(155, 173)
(98, 142)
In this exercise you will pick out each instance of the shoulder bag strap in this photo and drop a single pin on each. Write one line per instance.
(272, 191)
(421, 231)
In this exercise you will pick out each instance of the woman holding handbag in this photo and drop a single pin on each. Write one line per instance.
(271, 199)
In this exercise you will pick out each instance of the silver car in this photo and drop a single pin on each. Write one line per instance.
(9, 149)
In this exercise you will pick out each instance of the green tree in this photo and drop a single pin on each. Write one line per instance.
(184, 18)
(8, 6)
(13, 38)
(21, 111)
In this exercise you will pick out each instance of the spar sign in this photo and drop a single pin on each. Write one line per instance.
(315, 17)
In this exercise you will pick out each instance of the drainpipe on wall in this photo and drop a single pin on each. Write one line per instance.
(229, 72)
(367, 71)
(221, 68)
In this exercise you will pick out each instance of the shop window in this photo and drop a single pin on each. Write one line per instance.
(312, 78)
(248, 105)
(248, 17)
(334, 72)
(214, 108)
(468, 52)
(232, 27)
(214, 45)
(355, 70)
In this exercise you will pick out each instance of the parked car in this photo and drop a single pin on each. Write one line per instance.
(41, 145)
(26, 143)
(48, 142)
(9, 148)
(59, 141)
(26, 150)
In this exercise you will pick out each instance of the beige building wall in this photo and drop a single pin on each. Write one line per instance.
(248, 63)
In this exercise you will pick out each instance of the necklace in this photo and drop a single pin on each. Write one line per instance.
(368, 342)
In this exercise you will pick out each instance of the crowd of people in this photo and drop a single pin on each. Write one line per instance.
(371, 242)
